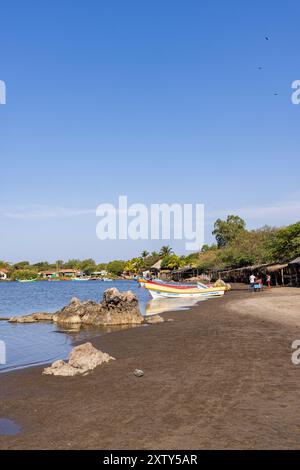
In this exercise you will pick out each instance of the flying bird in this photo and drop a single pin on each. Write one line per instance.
(267, 38)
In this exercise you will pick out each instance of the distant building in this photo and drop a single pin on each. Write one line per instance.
(3, 274)
(59, 273)
(100, 273)
(68, 272)
(48, 274)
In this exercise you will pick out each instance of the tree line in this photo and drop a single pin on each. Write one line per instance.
(235, 247)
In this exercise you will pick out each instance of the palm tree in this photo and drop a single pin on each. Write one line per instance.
(144, 254)
(155, 254)
(165, 251)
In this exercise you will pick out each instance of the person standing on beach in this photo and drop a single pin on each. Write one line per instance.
(269, 281)
(252, 281)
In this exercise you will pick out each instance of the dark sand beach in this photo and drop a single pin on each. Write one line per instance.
(219, 377)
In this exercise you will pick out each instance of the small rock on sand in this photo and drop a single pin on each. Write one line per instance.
(82, 360)
(155, 319)
(138, 373)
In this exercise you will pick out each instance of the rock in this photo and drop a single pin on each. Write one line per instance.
(170, 320)
(62, 369)
(82, 360)
(116, 309)
(155, 319)
(87, 357)
(75, 311)
(33, 318)
(138, 373)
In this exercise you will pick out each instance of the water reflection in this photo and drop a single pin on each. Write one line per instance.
(157, 306)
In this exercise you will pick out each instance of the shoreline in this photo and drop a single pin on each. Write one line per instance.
(214, 378)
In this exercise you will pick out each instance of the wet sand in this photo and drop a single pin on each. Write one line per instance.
(219, 377)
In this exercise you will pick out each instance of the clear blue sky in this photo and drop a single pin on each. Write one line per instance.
(161, 100)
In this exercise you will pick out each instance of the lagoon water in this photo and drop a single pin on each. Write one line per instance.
(39, 343)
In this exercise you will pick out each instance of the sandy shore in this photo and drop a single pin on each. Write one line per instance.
(219, 376)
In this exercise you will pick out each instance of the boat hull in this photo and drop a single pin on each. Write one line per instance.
(143, 282)
(162, 291)
(173, 295)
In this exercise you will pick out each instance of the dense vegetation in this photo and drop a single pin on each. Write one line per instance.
(235, 247)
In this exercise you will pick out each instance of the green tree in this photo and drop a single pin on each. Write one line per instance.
(70, 264)
(23, 274)
(41, 266)
(145, 254)
(21, 265)
(155, 254)
(226, 231)
(286, 243)
(101, 267)
(172, 262)
(133, 266)
(165, 251)
(116, 267)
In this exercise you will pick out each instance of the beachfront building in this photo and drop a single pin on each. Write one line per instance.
(69, 273)
(3, 274)
(294, 268)
(48, 274)
(156, 268)
(185, 274)
(282, 274)
(61, 273)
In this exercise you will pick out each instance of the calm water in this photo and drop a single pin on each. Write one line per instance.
(44, 342)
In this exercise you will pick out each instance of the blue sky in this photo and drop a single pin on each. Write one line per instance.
(162, 101)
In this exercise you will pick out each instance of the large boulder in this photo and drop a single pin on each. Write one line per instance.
(75, 311)
(116, 309)
(119, 309)
(82, 360)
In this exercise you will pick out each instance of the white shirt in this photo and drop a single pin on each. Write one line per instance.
(252, 279)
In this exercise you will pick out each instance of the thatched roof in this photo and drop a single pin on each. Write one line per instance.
(276, 267)
(157, 265)
(266, 267)
(295, 261)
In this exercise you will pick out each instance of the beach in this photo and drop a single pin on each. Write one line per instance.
(219, 376)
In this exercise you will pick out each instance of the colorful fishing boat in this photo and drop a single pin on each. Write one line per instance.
(163, 291)
(168, 284)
